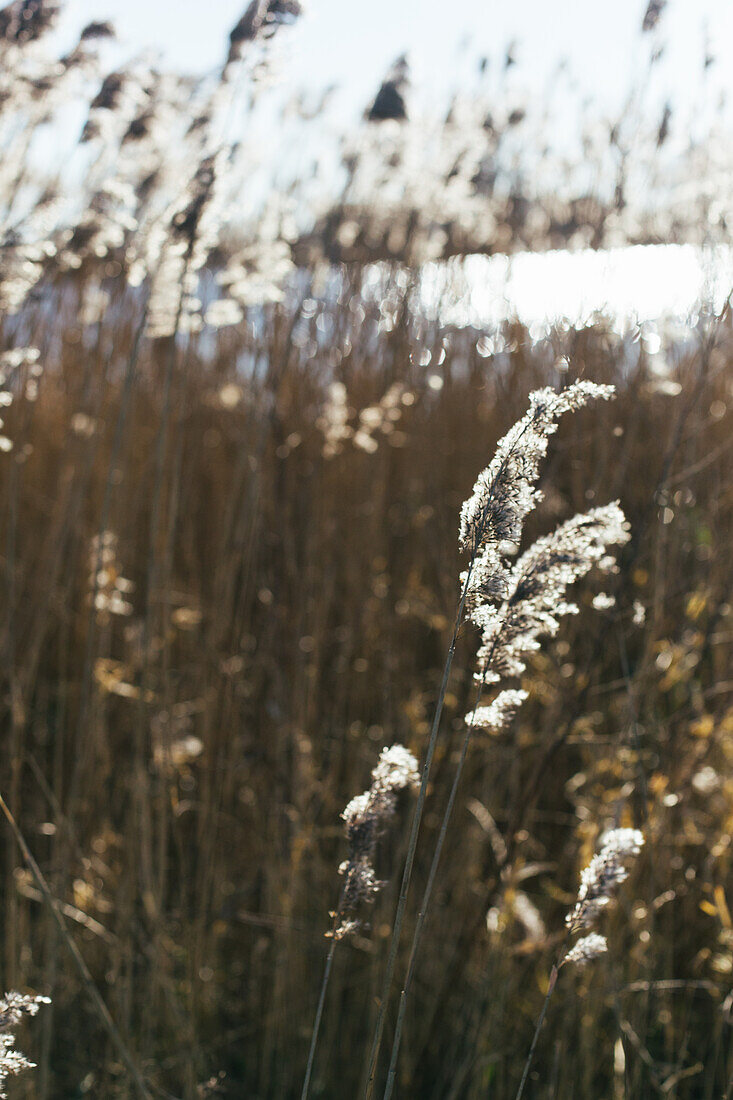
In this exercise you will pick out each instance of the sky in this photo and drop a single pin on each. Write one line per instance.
(352, 44)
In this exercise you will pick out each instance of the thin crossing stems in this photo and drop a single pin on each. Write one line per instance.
(412, 845)
(417, 817)
(82, 967)
(426, 901)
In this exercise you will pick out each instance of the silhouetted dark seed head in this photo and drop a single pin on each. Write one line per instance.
(91, 130)
(147, 185)
(247, 27)
(139, 127)
(390, 99)
(108, 95)
(653, 14)
(27, 20)
(97, 30)
(663, 131)
(259, 16)
(186, 221)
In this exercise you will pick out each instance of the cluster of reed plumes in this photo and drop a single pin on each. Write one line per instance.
(163, 185)
(229, 571)
(514, 606)
(13, 1007)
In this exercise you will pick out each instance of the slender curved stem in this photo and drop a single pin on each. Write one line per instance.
(527, 1065)
(417, 816)
(417, 937)
(87, 980)
(421, 921)
(322, 998)
(412, 845)
(423, 792)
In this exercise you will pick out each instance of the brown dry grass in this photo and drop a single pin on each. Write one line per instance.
(290, 614)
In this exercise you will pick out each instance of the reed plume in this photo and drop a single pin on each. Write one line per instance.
(599, 882)
(366, 818)
(13, 1006)
(512, 605)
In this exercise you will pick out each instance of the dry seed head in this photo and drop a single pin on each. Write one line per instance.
(366, 817)
(26, 21)
(603, 875)
(586, 949)
(396, 769)
(504, 492)
(498, 713)
(261, 20)
(13, 1006)
(390, 99)
(535, 588)
(97, 30)
(653, 14)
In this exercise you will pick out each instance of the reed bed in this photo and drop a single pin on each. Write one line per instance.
(298, 622)
(231, 479)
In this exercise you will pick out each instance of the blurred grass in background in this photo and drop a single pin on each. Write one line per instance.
(298, 604)
(229, 564)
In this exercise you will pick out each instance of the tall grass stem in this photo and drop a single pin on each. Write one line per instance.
(412, 844)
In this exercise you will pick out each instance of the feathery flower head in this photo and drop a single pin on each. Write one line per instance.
(498, 713)
(26, 21)
(346, 928)
(13, 1006)
(603, 875)
(653, 14)
(362, 885)
(536, 586)
(261, 20)
(504, 492)
(366, 817)
(586, 949)
(396, 769)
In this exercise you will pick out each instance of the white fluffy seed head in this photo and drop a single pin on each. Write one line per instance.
(396, 769)
(504, 493)
(603, 875)
(13, 1006)
(366, 818)
(498, 713)
(586, 949)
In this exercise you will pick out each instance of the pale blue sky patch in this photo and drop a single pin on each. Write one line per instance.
(351, 44)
